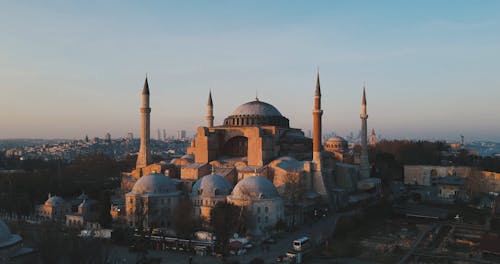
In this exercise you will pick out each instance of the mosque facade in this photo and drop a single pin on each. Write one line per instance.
(249, 160)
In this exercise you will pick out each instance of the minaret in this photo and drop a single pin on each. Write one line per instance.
(210, 111)
(144, 157)
(373, 138)
(317, 113)
(364, 165)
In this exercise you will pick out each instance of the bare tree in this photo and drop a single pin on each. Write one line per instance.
(185, 221)
(293, 192)
(477, 183)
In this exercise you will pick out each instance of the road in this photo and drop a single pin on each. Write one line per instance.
(318, 232)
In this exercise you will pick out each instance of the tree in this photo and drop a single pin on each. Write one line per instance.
(104, 208)
(185, 221)
(476, 184)
(225, 221)
(294, 191)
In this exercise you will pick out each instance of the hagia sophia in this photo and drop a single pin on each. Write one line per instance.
(255, 160)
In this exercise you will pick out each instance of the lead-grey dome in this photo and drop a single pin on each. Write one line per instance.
(5, 234)
(256, 113)
(212, 185)
(154, 183)
(337, 139)
(257, 108)
(55, 201)
(254, 188)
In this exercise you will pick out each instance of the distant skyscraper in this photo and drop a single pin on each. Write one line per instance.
(373, 138)
(309, 134)
(159, 135)
(364, 165)
(164, 135)
(181, 134)
(130, 136)
(144, 156)
(107, 137)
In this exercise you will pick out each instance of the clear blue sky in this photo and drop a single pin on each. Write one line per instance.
(70, 68)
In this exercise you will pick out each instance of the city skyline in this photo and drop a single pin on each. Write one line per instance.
(72, 69)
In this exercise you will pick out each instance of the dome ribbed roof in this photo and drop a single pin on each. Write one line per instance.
(337, 139)
(207, 186)
(255, 188)
(257, 108)
(155, 183)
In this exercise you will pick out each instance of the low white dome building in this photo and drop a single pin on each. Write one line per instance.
(336, 143)
(207, 192)
(261, 200)
(152, 200)
(55, 208)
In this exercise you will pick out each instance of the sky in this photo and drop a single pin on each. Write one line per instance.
(75, 68)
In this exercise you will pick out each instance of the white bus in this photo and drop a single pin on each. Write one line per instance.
(301, 244)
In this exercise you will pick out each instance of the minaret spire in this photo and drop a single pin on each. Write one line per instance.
(145, 88)
(373, 138)
(144, 157)
(210, 111)
(317, 126)
(364, 165)
(317, 92)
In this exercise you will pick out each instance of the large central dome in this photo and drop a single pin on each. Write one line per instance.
(257, 108)
(256, 113)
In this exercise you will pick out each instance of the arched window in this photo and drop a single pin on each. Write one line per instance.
(266, 209)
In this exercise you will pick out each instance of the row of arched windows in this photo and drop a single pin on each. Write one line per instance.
(256, 120)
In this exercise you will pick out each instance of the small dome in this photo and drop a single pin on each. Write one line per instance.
(154, 183)
(255, 188)
(55, 201)
(257, 108)
(5, 234)
(189, 157)
(86, 203)
(337, 139)
(83, 196)
(211, 185)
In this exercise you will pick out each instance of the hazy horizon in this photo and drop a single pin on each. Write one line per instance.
(71, 69)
